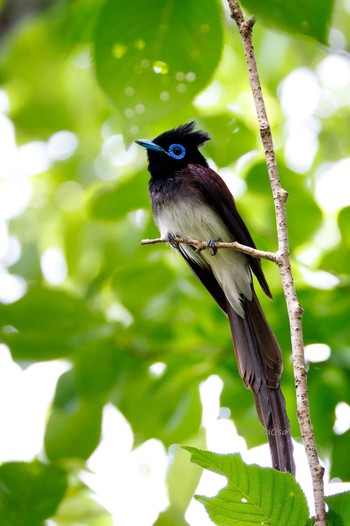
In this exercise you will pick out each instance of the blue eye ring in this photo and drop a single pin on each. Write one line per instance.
(177, 155)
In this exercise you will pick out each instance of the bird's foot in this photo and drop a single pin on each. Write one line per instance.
(211, 246)
(170, 239)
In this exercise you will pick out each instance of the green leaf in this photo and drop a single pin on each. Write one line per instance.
(29, 492)
(232, 136)
(295, 16)
(180, 495)
(96, 367)
(329, 383)
(340, 443)
(344, 222)
(79, 507)
(300, 226)
(326, 316)
(167, 408)
(113, 203)
(129, 280)
(80, 21)
(152, 58)
(339, 509)
(253, 495)
(337, 259)
(47, 324)
(171, 517)
(74, 426)
(41, 105)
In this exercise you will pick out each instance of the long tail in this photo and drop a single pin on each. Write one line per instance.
(260, 364)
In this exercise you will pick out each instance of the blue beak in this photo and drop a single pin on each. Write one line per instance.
(149, 145)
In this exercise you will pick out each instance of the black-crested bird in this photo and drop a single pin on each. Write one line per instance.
(189, 199)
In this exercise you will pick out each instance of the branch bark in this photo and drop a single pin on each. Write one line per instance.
(295, 311)
(202, 245)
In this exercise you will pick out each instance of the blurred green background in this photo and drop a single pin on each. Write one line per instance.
(129, 325)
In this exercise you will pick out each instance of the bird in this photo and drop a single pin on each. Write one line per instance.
(190, 200)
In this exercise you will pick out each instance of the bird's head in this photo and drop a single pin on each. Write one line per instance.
(174, 149)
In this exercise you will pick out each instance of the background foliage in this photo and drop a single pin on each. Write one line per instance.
(113, 309)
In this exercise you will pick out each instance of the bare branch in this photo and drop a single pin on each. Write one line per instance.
(295, 311)
(202, 245)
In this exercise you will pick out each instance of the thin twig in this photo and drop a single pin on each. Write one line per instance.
(295, 311)
(202, 245)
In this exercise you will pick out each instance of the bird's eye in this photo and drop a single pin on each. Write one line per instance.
(177, 151)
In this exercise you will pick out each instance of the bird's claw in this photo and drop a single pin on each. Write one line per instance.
(170, 239)
(211, 246)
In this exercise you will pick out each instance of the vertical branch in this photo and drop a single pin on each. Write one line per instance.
(295, 311)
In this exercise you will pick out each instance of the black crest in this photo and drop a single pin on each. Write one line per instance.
(183, 134)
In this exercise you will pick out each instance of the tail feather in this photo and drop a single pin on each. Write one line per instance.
(259, 362)
(278, 429)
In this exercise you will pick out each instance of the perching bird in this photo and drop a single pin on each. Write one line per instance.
(190, 200)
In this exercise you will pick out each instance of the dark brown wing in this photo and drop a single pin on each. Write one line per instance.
(217, 195)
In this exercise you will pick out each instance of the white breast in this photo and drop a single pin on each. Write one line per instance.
(199, 222)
